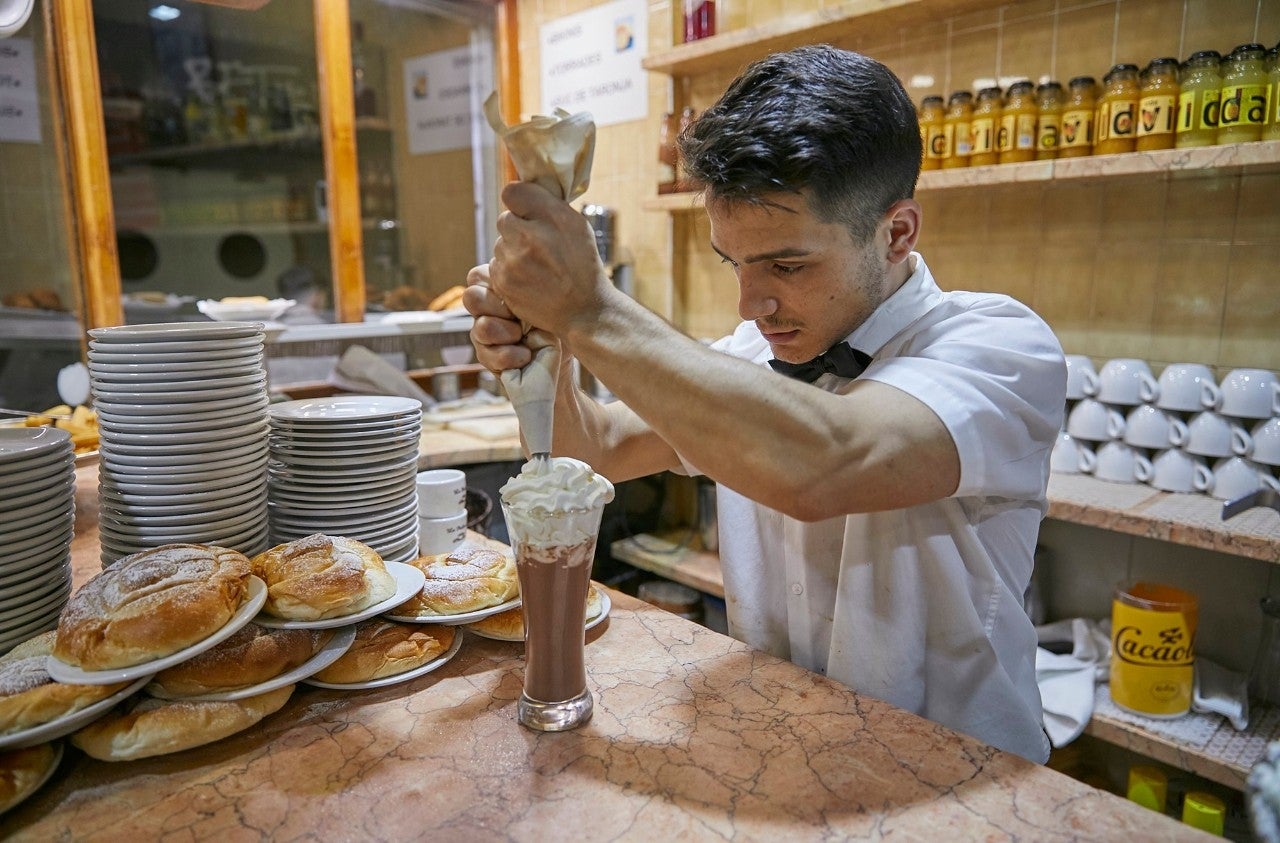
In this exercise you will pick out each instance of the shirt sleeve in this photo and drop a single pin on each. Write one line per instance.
(994, 373)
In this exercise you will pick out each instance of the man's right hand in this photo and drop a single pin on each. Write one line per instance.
(497, 334)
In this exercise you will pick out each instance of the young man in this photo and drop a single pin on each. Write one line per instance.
(876, 525)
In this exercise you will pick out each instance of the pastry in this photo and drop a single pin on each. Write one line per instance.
(466, 579)
(405, 297)
(385, 648)
(320, 577)
(146, 726)
(24, 770)
(449, 299)
(30, 698)
(151, 604)
(510, 624)
(254, 654)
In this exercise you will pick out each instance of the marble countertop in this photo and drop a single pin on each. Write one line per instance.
(695, 736)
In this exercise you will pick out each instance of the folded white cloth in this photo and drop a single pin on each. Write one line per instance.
(1221, 691)
(1067, 681)
(360, 370)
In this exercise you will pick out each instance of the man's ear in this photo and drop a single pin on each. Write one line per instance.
(903, 218)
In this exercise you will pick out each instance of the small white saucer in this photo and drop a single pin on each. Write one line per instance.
(409, 582)
(454, 620)
(605, 605)
(399, 677)
(64, 672)
(69, 723)
(329, 653)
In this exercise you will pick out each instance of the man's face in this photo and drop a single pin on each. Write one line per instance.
(805, 283)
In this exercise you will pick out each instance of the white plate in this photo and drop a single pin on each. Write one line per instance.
(64, 465)
(181, 445)
(214, 524)
(147, 427)
(372, 516)
(329, 653)
(12, 537)
(249, 543)
(344, 457)
(177, 383)
(341, 472)
(238, 451)
(47, 606)
(243, 410)
(325, 437)
(176, 352)
(167, 505)
(63, 672)
(160, 491)
(35, 592)
(69, 723)
(310, 429)
(14, 637)
(165, 333)
(165, 370)
(409, 582)
(162, 437)
(232, 508)
(19, 556)
(267, 311)
(189, 397)
(42, 509)
(38, 570)
(460, 618)
(19, 496)
(306, 504)
(346, 408)
(332, 488)
(19, 443)
(377, 539)
(399, 677)
(605, 605)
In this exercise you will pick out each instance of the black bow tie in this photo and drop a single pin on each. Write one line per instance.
(841, 359)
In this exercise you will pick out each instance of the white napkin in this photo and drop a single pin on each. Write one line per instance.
(1067, 681)
(360, 370)
(554, 151)
(1218, 690)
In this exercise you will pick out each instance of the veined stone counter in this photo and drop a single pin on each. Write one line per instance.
(695, 737)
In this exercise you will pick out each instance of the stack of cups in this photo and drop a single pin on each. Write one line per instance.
(1181, 433)
(442, 510)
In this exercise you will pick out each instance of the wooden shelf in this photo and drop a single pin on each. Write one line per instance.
(1259, 156)
(673, 555)
(736, 48)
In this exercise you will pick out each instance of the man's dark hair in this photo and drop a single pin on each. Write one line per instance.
(835, 122)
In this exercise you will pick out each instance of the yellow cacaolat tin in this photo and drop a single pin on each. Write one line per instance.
(1153, 631)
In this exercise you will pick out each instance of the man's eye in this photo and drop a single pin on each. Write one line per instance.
(786, 268)
(733, 264)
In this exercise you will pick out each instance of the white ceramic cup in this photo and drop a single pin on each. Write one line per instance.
(1092, 420)
(1148, 426)
(1235, 477)
(441, 535)
(1251, 394)
(1262, 444)
(1211, 434)
(1126, 381)
(1177, 471)
(1187, 388)
(442, 492)
(1121, 463)
(1071, 456)
(1082, 379)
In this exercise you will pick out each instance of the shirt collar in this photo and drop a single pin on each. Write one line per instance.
(917, 296)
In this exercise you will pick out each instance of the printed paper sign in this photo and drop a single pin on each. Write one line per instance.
(442, 96)
(19, 102)
(591, 62)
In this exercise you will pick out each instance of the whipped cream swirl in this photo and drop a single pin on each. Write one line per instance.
(541, 501)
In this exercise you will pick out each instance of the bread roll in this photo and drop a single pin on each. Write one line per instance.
(22, 771)
(405, 297)
(449, 299)
(510, 624)
(254, 654)
(157, 727)
(384, 648)
(151, 604)
(466, 579)
(320, 577)
(29, 697)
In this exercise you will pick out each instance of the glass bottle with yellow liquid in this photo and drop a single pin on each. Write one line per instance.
(1016, 140)
(1050, 100)
(1200, 87)
(1114, 124)
(1076, 139)
(932, 116)
(1158, 107)
(984, 127)
(956, 127)
(1271, 131)
(1243, 98)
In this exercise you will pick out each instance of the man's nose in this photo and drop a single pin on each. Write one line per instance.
(755, 299)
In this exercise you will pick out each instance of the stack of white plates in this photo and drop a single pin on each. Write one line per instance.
(345, 466)
(37, 519)
(182, 411)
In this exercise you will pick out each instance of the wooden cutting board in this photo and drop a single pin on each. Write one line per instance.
(494, 427)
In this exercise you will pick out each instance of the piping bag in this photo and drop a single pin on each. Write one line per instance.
(553, 151)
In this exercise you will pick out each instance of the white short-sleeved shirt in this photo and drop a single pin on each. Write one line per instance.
(921, 607)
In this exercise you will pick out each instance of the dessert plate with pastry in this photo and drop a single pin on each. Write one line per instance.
(34, 708)
(24, 771)
(509, 625)
(255, 660)
(151, 610)
(468, 583)
(388, 653)
(322, 582)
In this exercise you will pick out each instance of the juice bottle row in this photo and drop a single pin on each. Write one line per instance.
(1205, 100)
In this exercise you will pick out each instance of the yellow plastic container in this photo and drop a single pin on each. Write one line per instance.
(1153, 631)
(1204, 811)
(1148, 787)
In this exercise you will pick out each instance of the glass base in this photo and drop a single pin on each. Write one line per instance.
(554, 717)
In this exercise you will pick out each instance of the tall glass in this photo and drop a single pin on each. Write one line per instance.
(555, 574)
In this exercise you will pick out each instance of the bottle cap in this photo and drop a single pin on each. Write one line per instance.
(1204, 811)
(1148, 786)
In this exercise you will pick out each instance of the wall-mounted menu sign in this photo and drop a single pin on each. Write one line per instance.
(591, 62)
(19, 102)
(442, 96)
